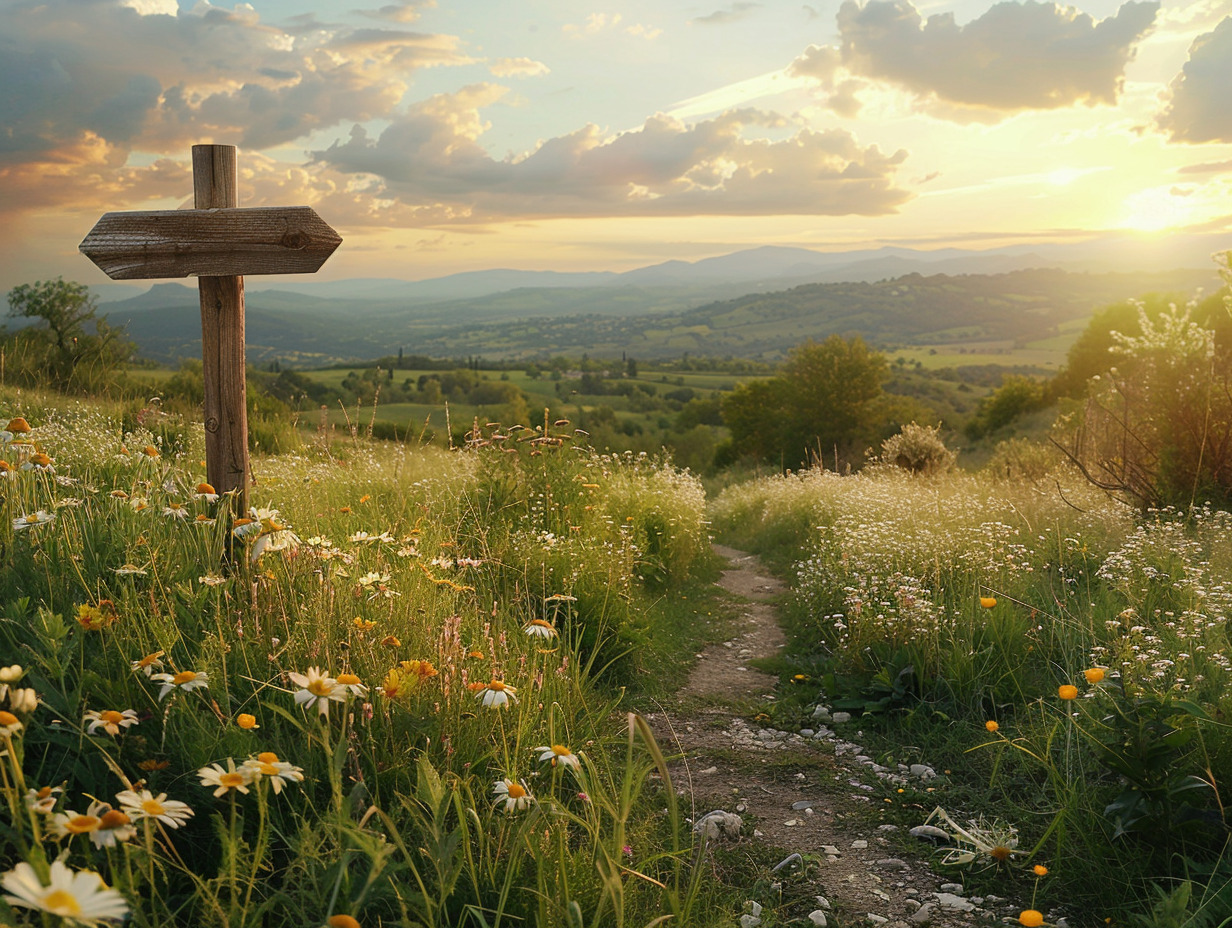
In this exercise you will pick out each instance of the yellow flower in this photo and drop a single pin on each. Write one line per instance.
(246, 721)
(363, 625)
(391, 641)
(1067, 691)
(421, 670)
(1094, 674)
(988, 601)
(1030, 918)
(1040, 870)
(392, 684)
(95, 618)
(992, 726)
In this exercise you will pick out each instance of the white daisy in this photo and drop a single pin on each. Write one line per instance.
(79, 896)
(186, 680)
(558, 754)
(144, 804)
(538, 628)
(225, 779)
(317, 689)
(513, 794)
(278, 772)
(32, 520)
(497, 694)
(110, 720)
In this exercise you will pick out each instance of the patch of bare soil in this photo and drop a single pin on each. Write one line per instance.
(810, 792)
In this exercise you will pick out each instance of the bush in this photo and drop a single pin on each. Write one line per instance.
(918, 449)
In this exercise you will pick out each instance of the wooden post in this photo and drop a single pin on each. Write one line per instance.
(217, 243)
(222, 338)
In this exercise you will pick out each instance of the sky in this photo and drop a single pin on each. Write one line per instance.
(457, 135)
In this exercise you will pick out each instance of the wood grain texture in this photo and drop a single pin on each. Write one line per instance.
(213, 242)
(222, 339)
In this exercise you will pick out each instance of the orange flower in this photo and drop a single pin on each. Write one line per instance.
(1031, 919)
(342, 921)
(992, 726)
(988, 601)
(391, 641)
(1040, 870)
(150, 451)
(1094, 675)
(1067, 691)
(421, 670)
(246, 721)
(18, 425)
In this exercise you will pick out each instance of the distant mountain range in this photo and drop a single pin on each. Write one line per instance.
(524, 313)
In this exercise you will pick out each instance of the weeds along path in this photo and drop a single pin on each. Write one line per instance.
(806, 792)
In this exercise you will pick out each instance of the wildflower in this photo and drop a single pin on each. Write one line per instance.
(243, 527)
(113, 826)
(995, 839)
(95, 618)
(110, 720)
(392, 684)
(627, 850)
(514, 795)
(18, 426)
(5, 468)
(21, 700)
(175, 511)
(226, 779)
(80, 896)
(118, 494)
(342, 921)
(1030, 918)
(992, 726)
(211, 580)
(186, 680)
(558, 754)
(1094, 675)
(32, 520)
(150, 452)
(1040, 870)
(43, 799)
(360, 538)
(497, 694)
(40, 462)
(362, 624)
(153, 764)
(420, 670)
(138, 504)
(11, 674)
(206, 492)
(9, 724)
(129, 570)
(148, 664)
(144, 804)
(988, 601)
(246, 721)
(1068, 691)
(476, 655)
(69, 823)
(538, 628)
(272, 533)
(391, 641)
(352, 684)
(278, 772)
(317, 688)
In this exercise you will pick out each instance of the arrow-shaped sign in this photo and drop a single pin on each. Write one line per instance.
(210, 242)
(219, 244)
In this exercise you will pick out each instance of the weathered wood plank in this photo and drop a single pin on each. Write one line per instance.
(210, 242)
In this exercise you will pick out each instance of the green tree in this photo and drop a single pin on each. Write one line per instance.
(73, 348)
(825, 403)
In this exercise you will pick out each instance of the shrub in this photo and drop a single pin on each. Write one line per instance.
(918, 449)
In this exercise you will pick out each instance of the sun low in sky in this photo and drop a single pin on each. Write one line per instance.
(465, 134)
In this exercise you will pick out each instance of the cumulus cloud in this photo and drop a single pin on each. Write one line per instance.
(431, 158)
(156, 83)
(823, 65)
(1198, 108)
(728, 14)
(517, 67)
(1016, 56)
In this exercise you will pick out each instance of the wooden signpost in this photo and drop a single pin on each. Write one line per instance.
(218, 244)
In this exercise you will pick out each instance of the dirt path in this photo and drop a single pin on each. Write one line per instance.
(811, 792)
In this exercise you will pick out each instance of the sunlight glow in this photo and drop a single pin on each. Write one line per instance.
(1156, 209)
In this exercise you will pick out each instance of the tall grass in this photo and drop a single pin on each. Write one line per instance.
(1089, 639)
(398, 630)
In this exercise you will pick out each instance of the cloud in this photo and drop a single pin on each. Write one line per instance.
(1198, 109)
(1209, 167)
(823, 65)
(157, 83)
(731, 14)
(517, 67)
(404, 11)
(595, 23)
(431, 159)
(1016, 56)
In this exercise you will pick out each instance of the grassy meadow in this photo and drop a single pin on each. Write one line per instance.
(1062, 658)
(396, 691)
